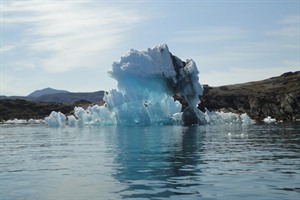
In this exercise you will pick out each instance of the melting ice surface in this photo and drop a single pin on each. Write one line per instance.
(147, 81)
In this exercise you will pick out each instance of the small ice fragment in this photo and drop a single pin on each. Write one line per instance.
(269, 120)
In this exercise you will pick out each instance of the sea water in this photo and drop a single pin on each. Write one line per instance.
(231, 161)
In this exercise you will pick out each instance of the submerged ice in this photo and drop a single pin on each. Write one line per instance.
(147, 82)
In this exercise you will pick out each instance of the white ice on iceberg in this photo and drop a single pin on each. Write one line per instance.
(56, 119)
(147, 81)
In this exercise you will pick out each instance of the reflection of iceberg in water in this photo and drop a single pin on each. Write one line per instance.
(151, 169)
(147, 81)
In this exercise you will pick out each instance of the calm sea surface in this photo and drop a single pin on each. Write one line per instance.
(260, 161)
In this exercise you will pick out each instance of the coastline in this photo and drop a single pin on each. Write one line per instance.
(278, 97)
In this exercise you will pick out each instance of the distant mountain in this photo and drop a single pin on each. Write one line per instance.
(59, 96)
(46, 91)
(71, 97)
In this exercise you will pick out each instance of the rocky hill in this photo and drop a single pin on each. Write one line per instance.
(278, 97)
(70, 97)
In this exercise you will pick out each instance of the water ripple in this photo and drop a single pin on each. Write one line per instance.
(160, 162)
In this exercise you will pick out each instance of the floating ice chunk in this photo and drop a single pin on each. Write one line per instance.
(24, 121)
(16, 121)
(227, 118)
(56, 119)
(269, 119)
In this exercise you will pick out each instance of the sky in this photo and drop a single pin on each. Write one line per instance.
(71, 44)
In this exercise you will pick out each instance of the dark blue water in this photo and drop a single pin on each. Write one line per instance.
(158, 162)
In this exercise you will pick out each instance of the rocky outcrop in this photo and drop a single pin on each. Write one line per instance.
(278, 97)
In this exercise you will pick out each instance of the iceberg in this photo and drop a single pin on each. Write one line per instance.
(147, 82)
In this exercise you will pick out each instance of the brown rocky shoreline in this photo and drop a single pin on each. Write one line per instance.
(278, 97)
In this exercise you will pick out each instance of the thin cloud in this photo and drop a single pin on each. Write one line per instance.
(292, 19)
(287, 27)
(210, 34)
(6, 48)
(63, 35)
